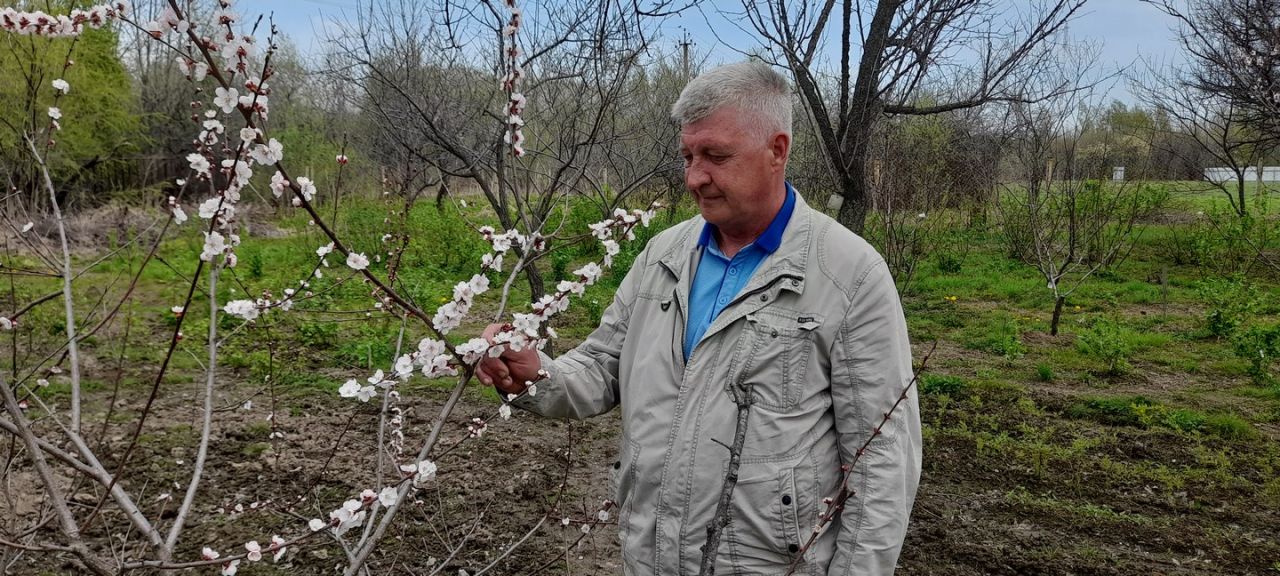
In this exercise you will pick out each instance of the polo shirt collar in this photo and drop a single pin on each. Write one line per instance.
(771, 238)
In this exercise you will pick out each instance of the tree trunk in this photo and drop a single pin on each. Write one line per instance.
(853, 211)
(1241, 207)
(1057, 315)
(853, 179)
(536, 291)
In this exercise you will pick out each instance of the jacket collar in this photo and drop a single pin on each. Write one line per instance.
(790, 259)
(771, 238)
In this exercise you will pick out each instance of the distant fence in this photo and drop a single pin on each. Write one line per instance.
(1220, 175)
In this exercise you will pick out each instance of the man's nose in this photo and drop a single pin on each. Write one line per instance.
(695, 177)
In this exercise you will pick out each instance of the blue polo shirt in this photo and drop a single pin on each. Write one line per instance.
(720, 278)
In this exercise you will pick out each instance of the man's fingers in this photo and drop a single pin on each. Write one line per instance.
(492, 371)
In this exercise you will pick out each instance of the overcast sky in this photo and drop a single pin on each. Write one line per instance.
(1126, 30)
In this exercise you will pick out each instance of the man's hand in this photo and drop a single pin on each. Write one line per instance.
(511, 370)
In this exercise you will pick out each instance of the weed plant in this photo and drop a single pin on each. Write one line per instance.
(1108, 341)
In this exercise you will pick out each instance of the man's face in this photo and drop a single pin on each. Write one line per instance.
(734, 173)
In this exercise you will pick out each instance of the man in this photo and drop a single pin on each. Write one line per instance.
(760, 293)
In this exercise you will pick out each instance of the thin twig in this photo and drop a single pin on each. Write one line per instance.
(207, 425)
(836, 503)
(744, 397)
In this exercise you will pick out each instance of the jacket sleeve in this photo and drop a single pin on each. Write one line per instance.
(583, 382)
(870, 367)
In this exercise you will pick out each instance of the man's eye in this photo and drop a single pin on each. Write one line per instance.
(717, 158)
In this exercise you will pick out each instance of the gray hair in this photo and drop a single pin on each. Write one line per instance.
(751, 86)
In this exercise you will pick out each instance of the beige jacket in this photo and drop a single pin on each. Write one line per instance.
(820, 333)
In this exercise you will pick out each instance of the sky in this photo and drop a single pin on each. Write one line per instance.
(1126, 30)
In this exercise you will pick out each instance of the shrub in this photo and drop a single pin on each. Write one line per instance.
(1259, 346)
(1231, 300)
(949, 263)
(1229, 427)
(939, 384)
(1106, 340)
(1220, 240)
(1002, 336)
(1117, 411)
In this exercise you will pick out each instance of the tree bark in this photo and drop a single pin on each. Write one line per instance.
(1057, 315)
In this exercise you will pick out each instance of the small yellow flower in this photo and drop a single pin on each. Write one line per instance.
(949, 298)
(1078, 308)
(443, 299)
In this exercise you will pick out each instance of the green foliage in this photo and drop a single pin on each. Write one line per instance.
(255, 264)
(317, 335)
(100, 121)
(1142, 412)
(1229, 427)
(1231, 302)
(1153, 415)
(594, 308)
(1108, 341)
(949, 263)
(1115, 410)
(1259, 345)
(1222, 241)
(939, 384)
(1001, 335)
(1044, 372)
(560, 262)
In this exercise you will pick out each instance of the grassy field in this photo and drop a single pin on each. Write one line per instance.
(1140, 440)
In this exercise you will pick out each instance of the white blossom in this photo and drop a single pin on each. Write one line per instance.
(278, 184)
(199, 163)
(404, 366)
(589, 273)
(277, 544)
(226, 99)
(245, 309)
(307, 188)
(255, 551)
(472, 349)
(269, 153)
(61, 86)
(426, 473)
(214, 244)
(357, 261)
(209, 208)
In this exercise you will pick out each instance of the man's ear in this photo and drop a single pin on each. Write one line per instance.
(780, 146)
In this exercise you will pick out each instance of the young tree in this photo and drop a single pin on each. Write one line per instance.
(1055, 218)
(966, 53)
(1219, 126)
(424, 74)
(1233, 51)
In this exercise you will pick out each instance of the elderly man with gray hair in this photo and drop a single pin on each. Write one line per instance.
(759, 297)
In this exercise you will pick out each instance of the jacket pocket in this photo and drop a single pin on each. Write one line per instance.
(773, 355)
(763, 535)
